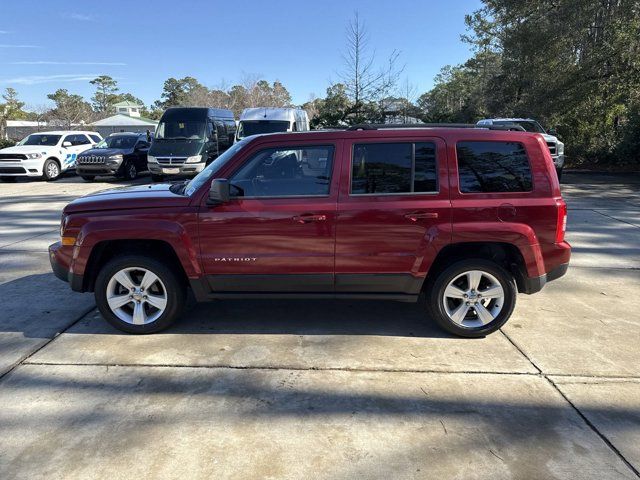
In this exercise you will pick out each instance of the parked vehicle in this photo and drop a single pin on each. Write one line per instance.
(260, 120)
(188, 139)
(45, 154)
(556, 147)
(120, 154)
(470, 217)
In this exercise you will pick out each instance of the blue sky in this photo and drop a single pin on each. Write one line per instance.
(64, 44)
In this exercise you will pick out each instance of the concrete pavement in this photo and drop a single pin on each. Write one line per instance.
(267, 389)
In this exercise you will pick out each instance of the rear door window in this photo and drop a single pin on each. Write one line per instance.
(493, 167)
(393, 168)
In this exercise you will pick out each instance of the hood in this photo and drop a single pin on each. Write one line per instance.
(28, 149)
(104, 152)
(125, 198)
(176, 148)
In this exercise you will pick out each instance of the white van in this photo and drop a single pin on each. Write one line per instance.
(255, 121)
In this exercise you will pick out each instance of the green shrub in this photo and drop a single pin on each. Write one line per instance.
(6, 143)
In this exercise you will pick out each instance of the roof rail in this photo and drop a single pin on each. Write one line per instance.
(381, 126)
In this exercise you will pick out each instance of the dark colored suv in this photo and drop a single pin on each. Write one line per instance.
(120, 154)
(467, 216)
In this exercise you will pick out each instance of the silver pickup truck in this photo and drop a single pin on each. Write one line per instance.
(556, 147)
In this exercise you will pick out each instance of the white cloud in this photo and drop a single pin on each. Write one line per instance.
(18, 46)
(37, 79)
(3, 32)
(81, 17)
(47, 62)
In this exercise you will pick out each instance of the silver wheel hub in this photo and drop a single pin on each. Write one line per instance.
(136, 295)
(473, 299)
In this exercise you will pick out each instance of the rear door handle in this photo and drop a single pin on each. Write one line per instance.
(309, 217)
(415, 216)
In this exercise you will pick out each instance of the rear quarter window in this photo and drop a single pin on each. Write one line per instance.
(493, 167)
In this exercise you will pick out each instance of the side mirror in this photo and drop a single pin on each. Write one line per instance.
(552, 131)
(66, 144)
(219, 191)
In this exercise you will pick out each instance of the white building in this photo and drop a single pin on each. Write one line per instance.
(126, 119)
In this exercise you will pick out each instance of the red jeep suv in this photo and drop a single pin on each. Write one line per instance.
(468, 217)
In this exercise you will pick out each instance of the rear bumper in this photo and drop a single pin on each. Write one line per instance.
(60, 266)
(535, 284)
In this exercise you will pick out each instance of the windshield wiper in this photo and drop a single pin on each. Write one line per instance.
(179, 187)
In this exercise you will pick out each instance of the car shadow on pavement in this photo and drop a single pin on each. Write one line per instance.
(40, 305)
(291, 317)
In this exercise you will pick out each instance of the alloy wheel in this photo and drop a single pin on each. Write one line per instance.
(473, 299)
(136, 295)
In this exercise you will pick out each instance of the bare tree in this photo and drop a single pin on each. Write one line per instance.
(365, 81)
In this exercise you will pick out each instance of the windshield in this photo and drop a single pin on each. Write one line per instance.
(257, 127)
(40, 139)
(180, 130)
(123, 142)
(212, 168)
(528, 125)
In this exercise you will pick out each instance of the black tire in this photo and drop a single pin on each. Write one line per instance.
(559, 172)
(435, 297)
(51, 169)
(175, 292)
(129, 171)
(88, 178)
(157, 178)
(9, 179)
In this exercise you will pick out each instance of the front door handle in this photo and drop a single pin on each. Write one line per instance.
(415, 216)
(309, 217)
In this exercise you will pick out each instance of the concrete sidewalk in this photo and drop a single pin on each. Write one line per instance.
(266, 389)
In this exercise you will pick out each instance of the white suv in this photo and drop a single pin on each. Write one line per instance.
(556, 147)
(45, 154)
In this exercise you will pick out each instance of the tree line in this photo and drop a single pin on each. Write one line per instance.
(571, 64)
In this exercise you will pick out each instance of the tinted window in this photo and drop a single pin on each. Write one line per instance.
(124, 142)
(393, 168)
(95, 138)
(77, 140)
(257, 127)
(493, 167)
(283, 172)
(40, 139)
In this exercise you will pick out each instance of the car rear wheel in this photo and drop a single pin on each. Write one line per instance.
(138, 294)
(88, 178)
(472, 298)
(51, 169)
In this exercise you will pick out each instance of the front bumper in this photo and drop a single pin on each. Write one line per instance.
(21, 168)
(98, 169)
(60, 260)
(558, 160)
(183, 169)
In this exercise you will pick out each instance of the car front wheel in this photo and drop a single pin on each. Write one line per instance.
(130, 171)
(51, 169)
(472, 298)
(139, 294)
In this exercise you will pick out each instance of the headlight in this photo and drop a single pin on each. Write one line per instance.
(31, 156)
(115, 158)
(560, 148)
(194, 159)
(151, 159)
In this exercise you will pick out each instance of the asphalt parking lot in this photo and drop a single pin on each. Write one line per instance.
(340, 390)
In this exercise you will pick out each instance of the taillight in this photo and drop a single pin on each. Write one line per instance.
(561, 226)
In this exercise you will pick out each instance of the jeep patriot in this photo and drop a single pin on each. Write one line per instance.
(468, 217)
